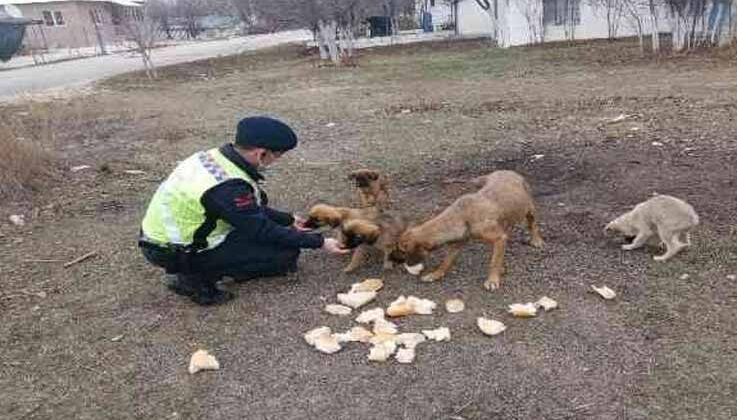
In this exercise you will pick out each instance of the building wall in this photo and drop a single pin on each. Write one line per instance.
(77, 30)
(473, 20)
(441, 12)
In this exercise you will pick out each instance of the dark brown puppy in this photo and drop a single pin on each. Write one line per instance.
(322, 215)
(373, 188)
(362, 235)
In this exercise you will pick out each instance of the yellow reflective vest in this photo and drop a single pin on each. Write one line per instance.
(176, 212)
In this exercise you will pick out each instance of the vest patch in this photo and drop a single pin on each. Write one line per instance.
(244, 200)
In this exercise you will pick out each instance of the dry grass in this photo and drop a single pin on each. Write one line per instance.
(26, 159)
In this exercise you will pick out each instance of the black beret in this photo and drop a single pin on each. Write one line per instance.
(269, 133)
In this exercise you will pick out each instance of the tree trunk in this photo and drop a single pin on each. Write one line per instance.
(655, 35)
(328, 31)
(321, 44)
(640, 35)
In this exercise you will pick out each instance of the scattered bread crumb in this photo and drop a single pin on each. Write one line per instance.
(356, 300)
(404, 306)
(490, 327)
(410, 340)
(382, 326)
(311, 336)
(341, 310)
(382, 351)
(454, 306)
(370, 315)
(368, 285)
(546, 303)
(438, 334)
(604, 292)
(414, 270)
(327, 344)
(202, 360)
(520, 310)
(405, 355)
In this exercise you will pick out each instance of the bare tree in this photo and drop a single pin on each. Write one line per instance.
(653, 6)
(687, 14)
(142, 29)
(497, 11)
(613, 11)
(572, 13)
(532, 10)
(634, 15)
(162, 11)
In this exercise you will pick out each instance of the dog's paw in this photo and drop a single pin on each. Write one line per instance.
(537, 243)
(628, 247)
(430, 277)
(349, 269)
(492, 284)
(660, 258)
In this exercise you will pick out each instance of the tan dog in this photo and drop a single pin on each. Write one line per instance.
(362, 235)
(487, 215)
(373, 188)
(669, 216)
(325, 215)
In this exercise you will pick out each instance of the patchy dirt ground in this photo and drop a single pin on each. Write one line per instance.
(103, 338)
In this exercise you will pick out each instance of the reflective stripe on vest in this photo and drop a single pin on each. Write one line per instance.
(175, 212)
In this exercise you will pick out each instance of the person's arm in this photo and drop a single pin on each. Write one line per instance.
(234, 202)
(279, 217)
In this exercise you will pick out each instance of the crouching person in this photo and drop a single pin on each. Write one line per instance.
(210, 218)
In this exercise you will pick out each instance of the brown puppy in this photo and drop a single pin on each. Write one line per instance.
(362, 235)
(487, 215)
(325, 215)
(373, 188)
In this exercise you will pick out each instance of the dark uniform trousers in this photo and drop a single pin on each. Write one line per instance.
(237, 257)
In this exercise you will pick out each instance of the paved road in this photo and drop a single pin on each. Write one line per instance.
(77, 73)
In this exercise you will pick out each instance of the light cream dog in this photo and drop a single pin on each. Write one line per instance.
(670, 217)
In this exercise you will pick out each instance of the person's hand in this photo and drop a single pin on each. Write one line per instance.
(332, 246)
(299, 224)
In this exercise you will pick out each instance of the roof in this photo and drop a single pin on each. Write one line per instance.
(128, 3)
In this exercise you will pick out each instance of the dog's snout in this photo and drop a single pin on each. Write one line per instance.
(312, 223)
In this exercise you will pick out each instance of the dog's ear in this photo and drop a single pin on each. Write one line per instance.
(363, 230)
(325, 214)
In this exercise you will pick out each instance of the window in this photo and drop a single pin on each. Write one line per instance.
(48, 18)
(58, 18)
(559, 12)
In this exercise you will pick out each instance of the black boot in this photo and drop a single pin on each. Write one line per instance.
(200, 289)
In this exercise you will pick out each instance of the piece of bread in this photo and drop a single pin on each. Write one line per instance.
(454, 306)
(438, 334)
(356, 300)
(339, 310)
(520, 310)
(604, 292)
(368, 285)
(202, 360)
(490, 327)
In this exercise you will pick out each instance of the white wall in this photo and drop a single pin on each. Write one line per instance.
(440, 14)
(473, 20)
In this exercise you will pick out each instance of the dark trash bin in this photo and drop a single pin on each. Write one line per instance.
(380, 26)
